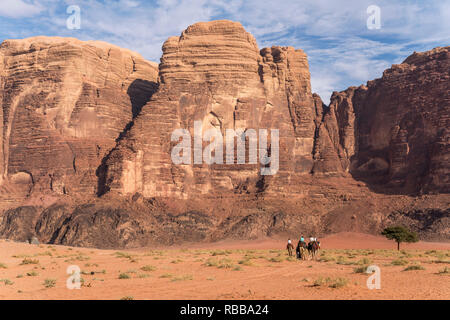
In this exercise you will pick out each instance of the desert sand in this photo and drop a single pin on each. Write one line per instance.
(257, 269)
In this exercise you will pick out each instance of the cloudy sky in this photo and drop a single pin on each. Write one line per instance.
(342, 50)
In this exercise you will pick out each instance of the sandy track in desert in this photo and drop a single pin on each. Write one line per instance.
(258, 269)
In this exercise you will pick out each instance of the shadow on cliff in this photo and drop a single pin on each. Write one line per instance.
(140, 92)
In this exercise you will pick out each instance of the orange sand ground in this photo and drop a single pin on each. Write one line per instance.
(228, 270)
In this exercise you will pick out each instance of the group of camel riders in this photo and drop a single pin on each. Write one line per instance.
(313, 246)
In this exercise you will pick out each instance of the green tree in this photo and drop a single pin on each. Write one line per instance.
(400, 234)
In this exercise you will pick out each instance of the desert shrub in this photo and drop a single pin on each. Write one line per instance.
(361, 269)
(176, 261)
(276, 259)
(399, 262)
(212, 262)
(291, 259)
(32, 274)
(332, 283)
(166, 275)
(338, 283)
(148, 268)
(126, 256)
(7, 282)
(78, 257)
(127, 298)
(225, 264)
(29, 261)
(46, 253)
(446, 270)
(182, 278)
(325, 258)
(364, 261)
(246, 262)
(442, 261)
(124, 276)
(49, 283)
(341, 260)
(414, 267)
(219, 253)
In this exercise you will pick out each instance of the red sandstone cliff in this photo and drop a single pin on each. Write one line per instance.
(63, 104)
(394, 132)
(215, 73)
(90, 125)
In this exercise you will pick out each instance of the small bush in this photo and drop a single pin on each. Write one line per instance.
(364, 261)
(414, 267)
(29, 261)
(332, 283)
(183, 278)
(49, 283)
(176, 261)
(219, 253)
(225, 264)
(148, 268)
(127, 298)
(441, 261)
(7, 282)
(326, 258)
(399, 262)
(222, 264)
(338, 283)
(46, 253)
(341, 260)
(32, 274)
(3, 266)
(212, 262)
(277, 259)
(361, 269)
(246, 262)
(291, 259)
(124, 276)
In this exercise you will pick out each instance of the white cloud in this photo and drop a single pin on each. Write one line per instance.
(341, 50)
(19, 8)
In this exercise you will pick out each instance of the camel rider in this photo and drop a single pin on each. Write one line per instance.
(302, 239)
(290, 247)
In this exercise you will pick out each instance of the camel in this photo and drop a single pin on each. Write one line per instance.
(313, 247)
(301, 250)
(289, 247)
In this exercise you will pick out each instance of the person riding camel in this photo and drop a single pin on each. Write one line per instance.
(298, 251)
(289, 247)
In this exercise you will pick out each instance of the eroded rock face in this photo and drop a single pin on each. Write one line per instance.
(87, 118)
(215, 74)
(394, 132)
(63, 103)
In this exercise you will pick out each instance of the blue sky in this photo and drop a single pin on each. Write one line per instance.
(342, 51)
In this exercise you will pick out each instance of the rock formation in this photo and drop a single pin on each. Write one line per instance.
(63, 104)
(215, 74)
(91, 126)
(394, 132)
